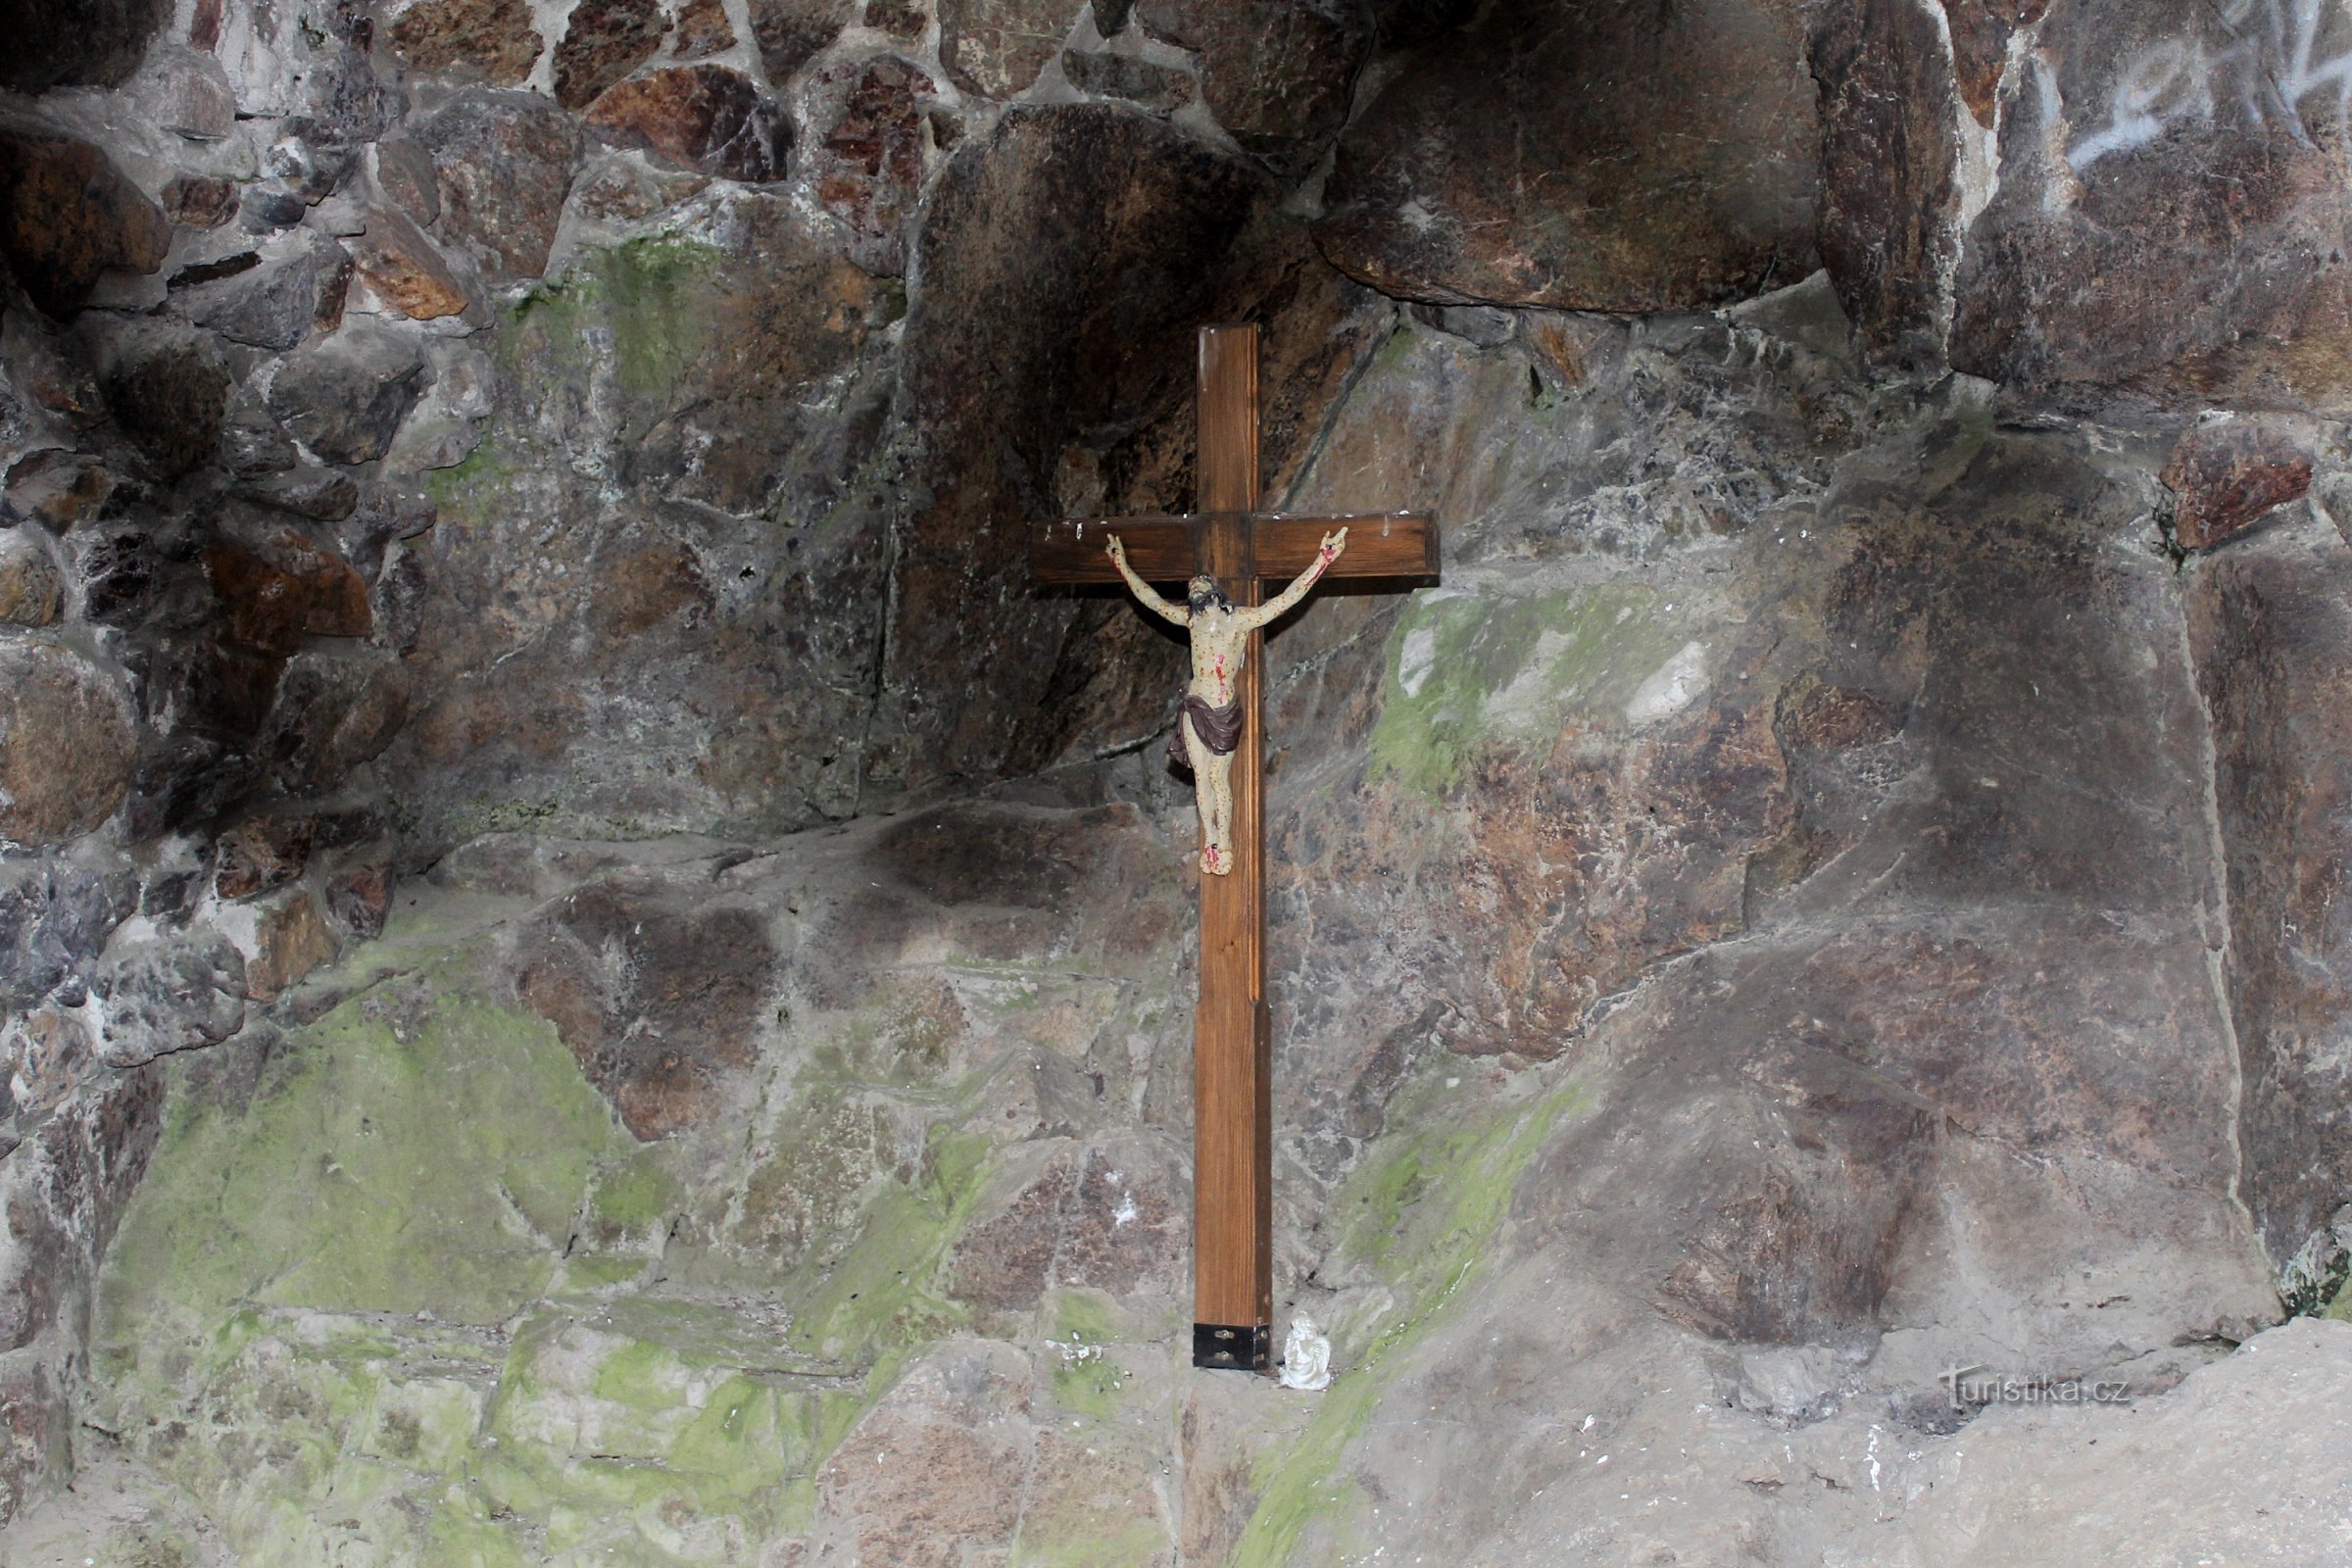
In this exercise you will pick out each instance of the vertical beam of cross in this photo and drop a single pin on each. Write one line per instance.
(1233, 1137)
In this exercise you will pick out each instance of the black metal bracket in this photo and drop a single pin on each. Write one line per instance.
(1229, 1348)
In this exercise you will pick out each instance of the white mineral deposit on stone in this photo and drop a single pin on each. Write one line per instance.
(1416, 658)
(1522, 706)
(1672, 686)
(1307, 1357)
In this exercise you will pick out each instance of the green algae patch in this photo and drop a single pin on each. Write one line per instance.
(614, 1423)
(642, 298)
(884, 1295)
(1090, 1378)
(302, 1314)
(802, 1199)
(653, 1430)
(435, 1165)
(466, 491)
(1422, 1213)
(637, 1192)
(1470, 671)
(303, 1432)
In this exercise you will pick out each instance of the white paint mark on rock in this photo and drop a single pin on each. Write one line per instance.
(1672, 687)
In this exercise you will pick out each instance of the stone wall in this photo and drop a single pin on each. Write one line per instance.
(212, 406)
(1893, 551)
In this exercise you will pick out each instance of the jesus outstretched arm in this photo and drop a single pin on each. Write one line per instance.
(1143, 590)
(1274, 609)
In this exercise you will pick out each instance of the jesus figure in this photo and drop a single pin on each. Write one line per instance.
(1208, 724)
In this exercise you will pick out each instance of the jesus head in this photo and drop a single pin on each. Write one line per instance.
(1206, 595)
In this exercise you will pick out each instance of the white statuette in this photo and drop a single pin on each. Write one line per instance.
(1307, 1356)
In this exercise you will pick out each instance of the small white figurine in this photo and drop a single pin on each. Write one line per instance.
(1307, 1357)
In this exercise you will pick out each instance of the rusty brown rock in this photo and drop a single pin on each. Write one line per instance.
(702, 30)
(32, 592)
(293, 942)
(1005, 1258)
(2271, 629)
(996, 47)
(67, 742)
(338, 707)
(494, 40)
(67, 214)
(278, 587)
(263, 853)
(602, 42)
(903, 20)
(940, 1467)
(789, 33)
(1887, 232)
(1980, 30)
(656, 993)
(360, 898)
(1429, 196)
(705, 118)
(200, 201)
(96, 42)
(2226, 478)
(404, 172)
(169, 388)
(1277, 73)
(1111, 1217)
(865, 152)
(59, 489)
(404, 269)
(2145, 251)
(503, 165)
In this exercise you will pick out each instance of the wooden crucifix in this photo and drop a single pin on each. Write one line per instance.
(1231, 541)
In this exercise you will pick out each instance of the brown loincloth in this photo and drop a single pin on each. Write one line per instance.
(1220, 728)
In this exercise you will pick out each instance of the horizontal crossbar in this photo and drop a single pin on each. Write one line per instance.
(1277, 545)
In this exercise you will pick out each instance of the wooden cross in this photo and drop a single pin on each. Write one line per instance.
(1232, 541)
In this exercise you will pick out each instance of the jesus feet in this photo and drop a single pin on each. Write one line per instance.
(1215, 861)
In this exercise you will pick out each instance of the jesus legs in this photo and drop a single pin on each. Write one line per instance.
(1212, 788)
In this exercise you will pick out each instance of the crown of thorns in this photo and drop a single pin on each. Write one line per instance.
(1205, 594)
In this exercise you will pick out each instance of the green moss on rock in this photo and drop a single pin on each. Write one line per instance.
(435, 1167)
(1421, 1213)
(1469, 671)
(644, 299)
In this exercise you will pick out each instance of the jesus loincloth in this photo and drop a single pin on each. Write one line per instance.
(1220, 728)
